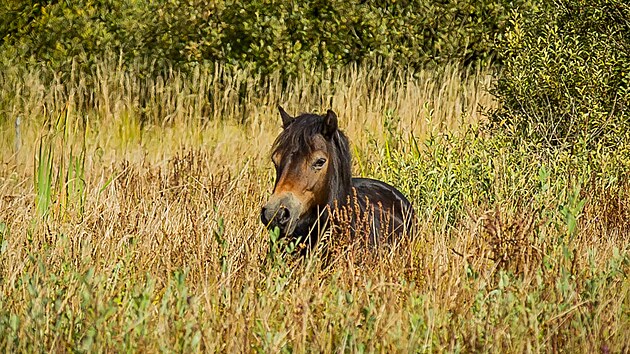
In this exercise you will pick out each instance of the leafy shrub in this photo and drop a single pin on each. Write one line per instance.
(267, 35)
(567, 75)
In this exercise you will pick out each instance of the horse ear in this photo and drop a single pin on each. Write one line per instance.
(330, 124)
(286, 118)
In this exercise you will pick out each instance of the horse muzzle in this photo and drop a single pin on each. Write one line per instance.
(282, 213)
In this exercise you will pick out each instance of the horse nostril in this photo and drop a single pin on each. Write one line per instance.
(263, 216)
(283, 216)
(271, 217)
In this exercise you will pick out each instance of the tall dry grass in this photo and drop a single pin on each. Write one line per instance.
(129, 221)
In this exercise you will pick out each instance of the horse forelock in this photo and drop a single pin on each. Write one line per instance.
(298, 135)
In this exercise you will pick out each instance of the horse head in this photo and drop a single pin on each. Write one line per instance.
(312, 163)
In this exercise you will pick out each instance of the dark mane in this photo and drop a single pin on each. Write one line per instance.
(298, 136)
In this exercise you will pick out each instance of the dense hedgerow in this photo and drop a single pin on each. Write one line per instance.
(566, 77)
(266, 35)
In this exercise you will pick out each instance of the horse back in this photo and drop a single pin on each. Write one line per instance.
(391, 212)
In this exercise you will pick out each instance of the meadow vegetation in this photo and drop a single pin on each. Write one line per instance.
(130, 199)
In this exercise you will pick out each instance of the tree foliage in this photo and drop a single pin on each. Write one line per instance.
(566, 77)
(264, 34)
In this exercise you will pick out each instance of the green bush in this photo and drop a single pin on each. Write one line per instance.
(566, 79)
(263, 34)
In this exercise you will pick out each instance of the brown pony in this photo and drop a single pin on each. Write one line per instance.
(314, 181)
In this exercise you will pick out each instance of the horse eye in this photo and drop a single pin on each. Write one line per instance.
(319, 163)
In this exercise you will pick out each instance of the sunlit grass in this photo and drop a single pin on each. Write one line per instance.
(129, 221)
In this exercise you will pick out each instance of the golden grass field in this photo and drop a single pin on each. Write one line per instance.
(129, 221)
